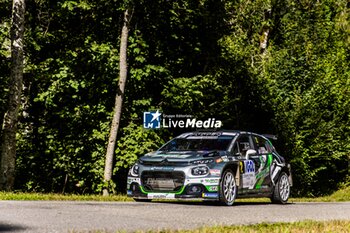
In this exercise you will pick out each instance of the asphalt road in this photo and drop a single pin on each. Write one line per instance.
(55, 216)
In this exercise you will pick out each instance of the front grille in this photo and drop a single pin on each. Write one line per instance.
(162, 181)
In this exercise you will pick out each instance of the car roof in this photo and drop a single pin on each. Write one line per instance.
(209, 132)
(212, 133)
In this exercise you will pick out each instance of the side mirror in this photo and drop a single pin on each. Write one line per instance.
(249, 153)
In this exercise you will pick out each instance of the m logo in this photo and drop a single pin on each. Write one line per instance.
(151, 120)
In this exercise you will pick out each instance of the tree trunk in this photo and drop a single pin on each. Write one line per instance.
(265, 33)
(9, 126)
(123, 70)
(264, 39)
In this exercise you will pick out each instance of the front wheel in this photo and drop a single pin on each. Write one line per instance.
(282, 190)
(228, 188)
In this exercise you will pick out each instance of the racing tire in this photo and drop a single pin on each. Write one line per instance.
(228, 188)
(281, 190)
(142, 200)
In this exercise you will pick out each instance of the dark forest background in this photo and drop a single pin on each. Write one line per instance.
(267, 66)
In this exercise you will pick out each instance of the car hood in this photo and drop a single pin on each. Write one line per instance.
(179, 156)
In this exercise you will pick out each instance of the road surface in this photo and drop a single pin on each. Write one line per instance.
(64, 216)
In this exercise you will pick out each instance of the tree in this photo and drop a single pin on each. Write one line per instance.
(123, 70)
(8, 154)
(263, 66)
(307, 72)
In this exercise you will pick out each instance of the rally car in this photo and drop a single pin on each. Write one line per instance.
(212, 166)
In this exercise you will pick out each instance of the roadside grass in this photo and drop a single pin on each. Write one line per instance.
(60, 197)
(338, 196)
(294, 227)
(306, 226)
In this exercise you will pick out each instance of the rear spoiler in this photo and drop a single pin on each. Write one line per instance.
(271, 136)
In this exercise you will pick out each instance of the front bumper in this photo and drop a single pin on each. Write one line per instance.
(205, 188)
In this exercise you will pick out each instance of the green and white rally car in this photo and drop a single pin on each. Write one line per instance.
(218, 166)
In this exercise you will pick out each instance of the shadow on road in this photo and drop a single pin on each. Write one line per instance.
(213, 203)
(4, 227)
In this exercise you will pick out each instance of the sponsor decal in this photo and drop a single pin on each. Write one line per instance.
(215, 172)
(156, 120)
(211, 181)
(162, 168)
(241, 167)
(262, 174)
(262, 163)
(260, 177)
(161, 196)
(212, 188)
(210, 195)
(249, 166)
(248, 176)
(177, 155)
(275, 172)
(248, 180)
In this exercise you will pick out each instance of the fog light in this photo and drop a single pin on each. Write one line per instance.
(194, 189)
(134, 187)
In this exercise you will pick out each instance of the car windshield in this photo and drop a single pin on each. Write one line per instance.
(198, 144)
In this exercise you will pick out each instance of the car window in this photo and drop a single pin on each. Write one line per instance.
(262, 145)
(242, 144)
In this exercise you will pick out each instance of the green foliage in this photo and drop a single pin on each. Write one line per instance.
(195, 95)
(135, 142)
(308, 74)
(301, 82)
(5, 54)
(190, 57)
(70, 100)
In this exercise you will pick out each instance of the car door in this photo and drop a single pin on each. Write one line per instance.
(262, 160)
(247, 166)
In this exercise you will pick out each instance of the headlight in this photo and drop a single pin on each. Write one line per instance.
(134, 171)
(200, 171)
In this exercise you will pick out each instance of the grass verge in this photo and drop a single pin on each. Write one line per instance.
(307, 226)
(340, 195)
(60, 197)
(295, 227)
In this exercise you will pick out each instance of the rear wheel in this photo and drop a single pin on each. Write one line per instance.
(282, 190)
(228, 188)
